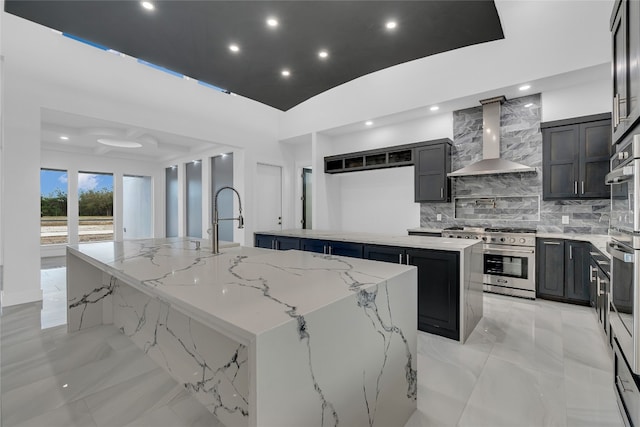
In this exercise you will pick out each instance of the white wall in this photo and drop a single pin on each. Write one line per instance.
(378, 201)
(574, 101)
(45, 70)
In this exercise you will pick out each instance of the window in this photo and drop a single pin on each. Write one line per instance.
(95, 206)
(171, 199)
(194, 198)
(53, 207)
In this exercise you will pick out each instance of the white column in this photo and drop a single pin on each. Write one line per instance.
(182, 200)
(118, 211)
(73, 216)
(207, 201)
(21, 196)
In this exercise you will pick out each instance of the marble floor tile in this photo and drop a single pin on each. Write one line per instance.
(510, 395)
(75, 414)
(192, 413)
(127, 401)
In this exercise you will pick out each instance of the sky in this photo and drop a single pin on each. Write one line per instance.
(50, 180)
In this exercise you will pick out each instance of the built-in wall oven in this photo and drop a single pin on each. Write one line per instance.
(624, 248)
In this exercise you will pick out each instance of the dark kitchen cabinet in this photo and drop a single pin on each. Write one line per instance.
(393, 254)
(353, 250)
(550, 266)
(438, 285)
(438, 291)
(577, 261)
(563, 270)
(432, 164)
(600, 289)
(625, 38)
(281, 243)
(575, 158)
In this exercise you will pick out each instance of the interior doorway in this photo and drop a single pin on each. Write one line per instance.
(137, 209)
(307, 223)
(269, 198)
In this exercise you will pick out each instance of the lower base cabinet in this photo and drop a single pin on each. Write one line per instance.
(563, 270)
(269, 241)
(438, 275)
(438, 285)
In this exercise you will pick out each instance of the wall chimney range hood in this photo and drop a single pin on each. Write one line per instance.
(491, 162)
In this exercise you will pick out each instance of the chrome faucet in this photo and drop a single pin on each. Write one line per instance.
(215, 243)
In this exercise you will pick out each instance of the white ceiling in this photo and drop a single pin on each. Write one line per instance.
(83, 134)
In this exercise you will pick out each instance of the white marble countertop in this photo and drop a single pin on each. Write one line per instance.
(425, 230)
(421, 242)
(241, 290)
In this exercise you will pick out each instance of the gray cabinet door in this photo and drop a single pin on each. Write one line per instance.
(561, 154)
(577, 270)
(550, 265)
(432, 164)
(620, 69)
(595, 143)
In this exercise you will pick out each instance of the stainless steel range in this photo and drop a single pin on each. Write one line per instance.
(509, 258)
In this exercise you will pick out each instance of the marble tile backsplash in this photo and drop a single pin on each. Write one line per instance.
(521, 141)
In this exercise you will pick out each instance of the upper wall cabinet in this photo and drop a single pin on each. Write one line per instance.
(401, 155)
(625, 36)
(575, 157)
(432, 161)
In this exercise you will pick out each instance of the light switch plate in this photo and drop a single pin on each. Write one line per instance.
(438, 217)
(565, 219)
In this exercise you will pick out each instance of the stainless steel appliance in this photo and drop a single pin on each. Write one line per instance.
(509, 258)
(625, 182)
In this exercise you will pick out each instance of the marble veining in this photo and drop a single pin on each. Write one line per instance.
(201, 316)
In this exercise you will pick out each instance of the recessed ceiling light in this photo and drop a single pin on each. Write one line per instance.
(391, 25)
(528, 105)
(434, 108)
(64, 138)
(148, 5)
(368, 123)
(525, 87)
(285, 73)
(120, 143)
(234, 48)
(323, 54)
(272, 22)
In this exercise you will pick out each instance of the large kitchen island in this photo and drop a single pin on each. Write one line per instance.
(260, 337)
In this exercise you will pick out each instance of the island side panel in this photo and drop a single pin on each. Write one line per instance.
(211, 366)
(351, 363)
(88, 294)
(471, 295)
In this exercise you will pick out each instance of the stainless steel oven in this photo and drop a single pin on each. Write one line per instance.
(509, 258)
(624, 306)
(624, 179)
(510, 270)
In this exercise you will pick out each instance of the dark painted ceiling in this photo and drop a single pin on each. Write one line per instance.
(193, 37)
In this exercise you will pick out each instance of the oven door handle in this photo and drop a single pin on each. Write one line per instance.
(496, 251)
(617, 253)
(622, 174)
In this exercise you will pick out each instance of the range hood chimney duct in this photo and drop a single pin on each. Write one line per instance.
(491, 162)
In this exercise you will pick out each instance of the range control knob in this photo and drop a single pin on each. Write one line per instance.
(484, 238)
(466, 237)
(502, 239)
(512, 240)
(522, 240)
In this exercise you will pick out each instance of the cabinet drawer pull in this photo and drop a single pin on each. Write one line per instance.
(616, 110)
(441, 193)
(570, 251)
(408, 262)
(399, 258)
(582, 184)
(603, 262)
(551, 243)
(575, 187)
(592, 270)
